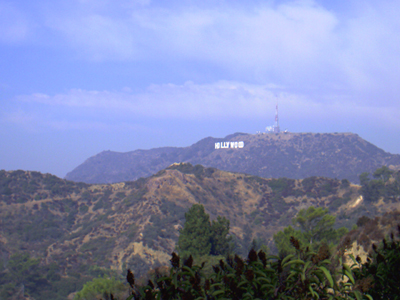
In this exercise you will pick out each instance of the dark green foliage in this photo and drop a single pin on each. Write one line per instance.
(336, 202)
(312, 227)
(198, 170)
(220, 241)
(69, 204)
(308, 183)
(373, 190)
(36, 227)
(101, 287)
(383, 173)
(98, 248)
(282, 186)
(194, 238)
(23, 273)
(392, 190)
(83, 209)
(57, 186)
(86, 196)
(253, 179)
(364, 178)
(386, 185)
(379, 275)
(345, 183)
(317, 187)
(136, 196)
(200, 237)
(326, 189)
(304, 275)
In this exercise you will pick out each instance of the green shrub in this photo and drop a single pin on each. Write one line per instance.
(379, 275)
(303, 275)
(83, 209)
(100, 287)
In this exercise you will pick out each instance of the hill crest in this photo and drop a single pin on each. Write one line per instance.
(291, 155)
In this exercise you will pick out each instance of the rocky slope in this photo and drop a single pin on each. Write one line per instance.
(291, 155)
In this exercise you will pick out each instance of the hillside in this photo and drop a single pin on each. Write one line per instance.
(371, 231)
(88, 229)
(290, 155)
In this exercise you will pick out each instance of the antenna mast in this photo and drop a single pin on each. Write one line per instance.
(276, 126)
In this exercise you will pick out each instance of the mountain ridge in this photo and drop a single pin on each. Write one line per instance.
(291, 155)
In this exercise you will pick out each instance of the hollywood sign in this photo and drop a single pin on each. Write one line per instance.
(225, 145)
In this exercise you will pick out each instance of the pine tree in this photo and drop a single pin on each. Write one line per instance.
(219, 236)
(312, 227)
(195, 236)
(201, 237)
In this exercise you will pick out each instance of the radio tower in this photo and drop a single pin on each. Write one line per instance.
(276, 125)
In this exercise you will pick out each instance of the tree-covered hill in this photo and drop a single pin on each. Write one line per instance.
(78, 231)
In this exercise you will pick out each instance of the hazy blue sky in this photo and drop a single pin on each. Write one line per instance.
(82, 76)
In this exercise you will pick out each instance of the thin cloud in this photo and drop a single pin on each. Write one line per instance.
(33, 121)
(222, 100)
(298, 43)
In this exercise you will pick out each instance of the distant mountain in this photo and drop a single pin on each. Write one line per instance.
(291, 155)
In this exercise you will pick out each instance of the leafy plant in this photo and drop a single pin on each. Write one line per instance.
(379, 275)
(303, 275)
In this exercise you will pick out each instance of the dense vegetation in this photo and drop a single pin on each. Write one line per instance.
(304, 274)
(315, 227)
(385, 184)
(200, 237)
(380, 275)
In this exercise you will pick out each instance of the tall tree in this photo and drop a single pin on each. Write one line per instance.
(315, 224)
(383, 173)
(194, 238)
(312, 226)
(201, 237)
(364, 178)
(219, 236)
